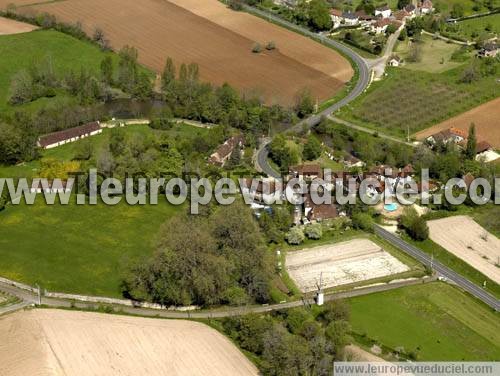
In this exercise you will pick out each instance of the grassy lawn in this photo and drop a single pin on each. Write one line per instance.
(66, 53)
(446, 6)
(435, 321)
(436, 55)
(473, 28)
(415, 99)
(82, 249)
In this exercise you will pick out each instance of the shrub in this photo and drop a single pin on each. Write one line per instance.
(271, 46)
(314, 231)
(257, 48)
(362, 221)
(295, 236)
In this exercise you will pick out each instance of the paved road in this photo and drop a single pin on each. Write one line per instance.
(29, 298)
(361, 84)
(443, 270)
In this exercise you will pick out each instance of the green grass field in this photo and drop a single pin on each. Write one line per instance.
(23, 50)
(436, 55)
(482, 27)
(435, 321)
(80, 249)
(416, 99)
(446, 6)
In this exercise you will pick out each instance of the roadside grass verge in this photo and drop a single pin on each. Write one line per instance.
(416, 100)
(456, 264)
(433, 321)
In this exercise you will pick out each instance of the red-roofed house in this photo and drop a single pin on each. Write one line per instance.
(55, 139)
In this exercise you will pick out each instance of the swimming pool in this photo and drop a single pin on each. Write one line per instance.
(391, 207)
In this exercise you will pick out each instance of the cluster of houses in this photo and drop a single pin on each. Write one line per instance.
(56, 139)
(484, 151)
(382, 17)
(222, 154)
(268, 190)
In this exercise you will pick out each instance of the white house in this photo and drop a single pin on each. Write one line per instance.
(55, 139)
(350, 19)
(394, 61)
(426, 7)
(384, 12)
(336, 16)
(380, 26)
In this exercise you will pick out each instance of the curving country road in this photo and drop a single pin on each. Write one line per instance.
(364, 77)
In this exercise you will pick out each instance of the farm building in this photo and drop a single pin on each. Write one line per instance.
(394, 61)
(224, 151)
(55, 139)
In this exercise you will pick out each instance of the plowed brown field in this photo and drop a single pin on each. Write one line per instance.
(8, 27)
(218, 39)
(486, 118)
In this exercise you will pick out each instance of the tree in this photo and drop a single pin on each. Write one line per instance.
(312, 149)
(295, 236)
(22, 89)
(403, 35)
(319, 15)
(415, 226)
(470, 150)
(391, 29)
(304, 103)
(107, 70)
(362, 221)
(128, 68)
(256, 48)
(403, 3)
(168, 75)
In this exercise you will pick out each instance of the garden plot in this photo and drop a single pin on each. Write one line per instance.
(340, 264)
(467, 240)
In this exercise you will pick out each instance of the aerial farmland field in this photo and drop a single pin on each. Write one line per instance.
(485, 117)
(55, 342)
(222, 48)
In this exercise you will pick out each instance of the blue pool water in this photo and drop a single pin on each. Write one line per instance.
(391, 207)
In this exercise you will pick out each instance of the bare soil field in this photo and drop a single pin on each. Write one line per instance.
(55, 342)
(8, 27)
(288, 43)
(159, 29)
(486, 117)
(342, 263)
(464, 238)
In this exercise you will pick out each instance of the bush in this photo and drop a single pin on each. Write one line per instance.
(415, 226)
(257, 48)
(362, 221)
(295, 236)
(314, 231)
(271, 46)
